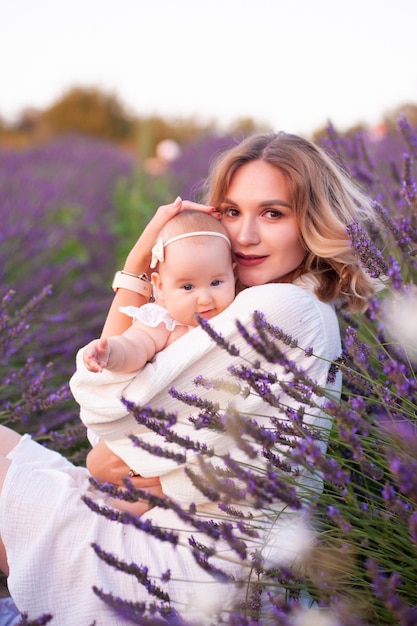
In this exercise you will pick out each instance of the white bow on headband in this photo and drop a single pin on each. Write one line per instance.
(158, 249)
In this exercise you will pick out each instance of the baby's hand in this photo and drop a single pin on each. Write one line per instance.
(96, 355)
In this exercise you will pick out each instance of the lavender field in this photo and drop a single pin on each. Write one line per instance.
(66, 211)
(58, 246)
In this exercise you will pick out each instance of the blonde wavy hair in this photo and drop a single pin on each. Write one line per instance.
(325, 201)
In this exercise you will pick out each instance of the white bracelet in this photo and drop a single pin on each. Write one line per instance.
(133, 282)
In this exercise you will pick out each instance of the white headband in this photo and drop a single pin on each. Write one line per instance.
(158, 249)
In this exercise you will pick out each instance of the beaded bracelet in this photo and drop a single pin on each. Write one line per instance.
(138, 283)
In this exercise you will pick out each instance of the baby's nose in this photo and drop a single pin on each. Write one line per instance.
(205, 296)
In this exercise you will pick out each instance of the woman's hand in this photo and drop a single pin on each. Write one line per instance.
(105, 466)
(139, 258)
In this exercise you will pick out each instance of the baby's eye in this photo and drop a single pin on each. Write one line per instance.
(216, 282)
(187, 287)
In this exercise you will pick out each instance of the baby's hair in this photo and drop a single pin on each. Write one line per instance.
(191, 220)
(325, 202)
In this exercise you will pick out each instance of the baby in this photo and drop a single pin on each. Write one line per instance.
(194, 277)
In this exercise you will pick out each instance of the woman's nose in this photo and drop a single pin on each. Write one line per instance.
(248, 233)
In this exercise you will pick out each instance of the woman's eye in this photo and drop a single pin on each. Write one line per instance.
(273, 214)
(230, 212)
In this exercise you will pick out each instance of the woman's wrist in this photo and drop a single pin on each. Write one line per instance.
(138, 283)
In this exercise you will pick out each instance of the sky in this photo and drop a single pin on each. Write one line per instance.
(291, 65)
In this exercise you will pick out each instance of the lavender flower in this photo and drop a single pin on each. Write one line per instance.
(368, 254)
(139, 572)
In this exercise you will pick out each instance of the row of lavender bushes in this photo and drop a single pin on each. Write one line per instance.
(58, 251)
(361, 568)
(368, 511)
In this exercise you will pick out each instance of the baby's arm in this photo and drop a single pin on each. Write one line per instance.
(128, 352)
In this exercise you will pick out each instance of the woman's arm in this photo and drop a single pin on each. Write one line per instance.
(138, 262)
(106, 467)
(295, 310)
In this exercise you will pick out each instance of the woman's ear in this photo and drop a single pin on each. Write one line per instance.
(158, 287)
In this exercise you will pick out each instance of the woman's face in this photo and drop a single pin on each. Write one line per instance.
(261, 224)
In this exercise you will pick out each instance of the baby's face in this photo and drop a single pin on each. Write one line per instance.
(196, 278)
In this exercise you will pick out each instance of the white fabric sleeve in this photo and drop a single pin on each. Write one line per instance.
(297, 311)
(92, 438)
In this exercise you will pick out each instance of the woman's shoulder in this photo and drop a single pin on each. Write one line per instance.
(275, 295)
(291, 306)
(268, 289)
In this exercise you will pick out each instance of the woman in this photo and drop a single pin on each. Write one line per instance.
(285, 207)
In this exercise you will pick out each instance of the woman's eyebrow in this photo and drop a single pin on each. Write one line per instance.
(275, 202)
(265, 203)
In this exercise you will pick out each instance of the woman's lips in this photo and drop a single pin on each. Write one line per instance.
(249, 260)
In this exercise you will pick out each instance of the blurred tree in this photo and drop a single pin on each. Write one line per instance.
(151, 131)
(320, 134)
(356, 130)
(91, 112)
(392, 117)
(246, 126)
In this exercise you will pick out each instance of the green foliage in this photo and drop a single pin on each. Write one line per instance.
(136, 201)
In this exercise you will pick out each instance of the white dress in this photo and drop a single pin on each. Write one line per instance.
(48, 530)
